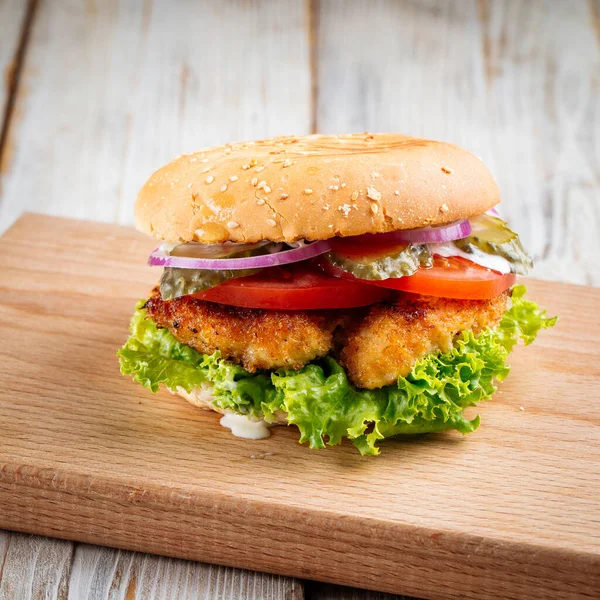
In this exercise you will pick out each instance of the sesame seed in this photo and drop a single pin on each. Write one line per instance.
(254, 181)
(271, 222)
(206, 169)
(260, 202)
(397, 192)
(233, 178)
(345, 208)
(447, 169)
(233, 224)
(374, 208)
(245, 167)
(325, 206)
(335, 188)
(259, 169)
(343, 185)
(286, 163)
(354, 195)
(375, 174)
(262, 184)
(227, 150)
(373, 193)
(223, 188)
(193, 160)
(204, 160)
(253, 162)
(189, 186)
(209, 179)
(308, 191)
(521, 408)
(267, 189)
(284, 196)
(444, 208)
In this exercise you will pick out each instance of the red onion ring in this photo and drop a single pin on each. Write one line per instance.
(158, 258)
(424, 235)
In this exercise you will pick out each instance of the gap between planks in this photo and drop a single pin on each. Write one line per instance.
(13, 75)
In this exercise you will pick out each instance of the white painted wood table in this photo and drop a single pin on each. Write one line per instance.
(96, 95)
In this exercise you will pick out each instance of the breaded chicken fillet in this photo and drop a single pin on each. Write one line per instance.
(254, 338)
(386, 343)
(375, 345)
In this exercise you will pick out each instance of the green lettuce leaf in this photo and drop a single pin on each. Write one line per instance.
(320, 400)
(153, 356)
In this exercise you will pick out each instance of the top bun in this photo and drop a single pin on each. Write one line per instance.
(313, 188)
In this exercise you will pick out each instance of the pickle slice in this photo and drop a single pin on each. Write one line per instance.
(226, 250)
(399, 264)
(493, 236)
(180, 282)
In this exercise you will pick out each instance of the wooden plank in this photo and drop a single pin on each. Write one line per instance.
(12, 16)
(104, 574)
(112, 90)
(515, 81)
(34, 567)
(155, 474)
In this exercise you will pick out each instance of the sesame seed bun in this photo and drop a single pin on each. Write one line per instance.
(313, 187)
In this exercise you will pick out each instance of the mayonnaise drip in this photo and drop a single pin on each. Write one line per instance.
(490, 261)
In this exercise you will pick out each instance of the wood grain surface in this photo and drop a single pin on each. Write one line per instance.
(34, 567)
(107, 91)
(509, 511)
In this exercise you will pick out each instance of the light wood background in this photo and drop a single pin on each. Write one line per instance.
(95, 95)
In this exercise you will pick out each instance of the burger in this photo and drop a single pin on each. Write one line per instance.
(354, 286)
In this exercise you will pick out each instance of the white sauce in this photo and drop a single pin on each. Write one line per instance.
(243, 427)
(490, 261)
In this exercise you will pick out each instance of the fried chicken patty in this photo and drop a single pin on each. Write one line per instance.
(375, 345)
(254, 338)
(387, 342)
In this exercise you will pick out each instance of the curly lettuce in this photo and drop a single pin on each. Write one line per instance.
(320, 400)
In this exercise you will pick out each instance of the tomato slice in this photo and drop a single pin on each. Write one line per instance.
(295, 287)
(451, 277)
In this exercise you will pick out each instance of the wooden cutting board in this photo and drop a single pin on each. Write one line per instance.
(510, 511)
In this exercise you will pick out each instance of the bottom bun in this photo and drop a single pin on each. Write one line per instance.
(203, 398)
